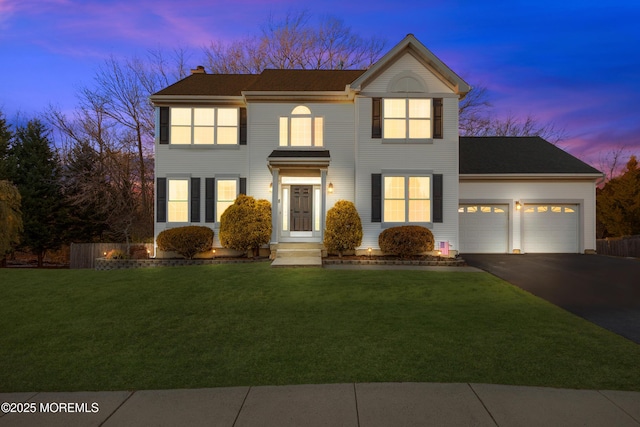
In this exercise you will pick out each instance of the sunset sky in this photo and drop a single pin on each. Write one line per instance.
(573, 62)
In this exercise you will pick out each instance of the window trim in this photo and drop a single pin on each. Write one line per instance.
(188, 201)
(314, 128)
(218, 179)
(215, 127)
(407, 120)
(377, 118)
(407, 175)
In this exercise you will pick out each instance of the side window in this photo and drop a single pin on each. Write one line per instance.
(178, 200)
(226, 193)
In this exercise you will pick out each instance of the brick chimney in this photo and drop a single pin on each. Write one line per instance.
(198, 70)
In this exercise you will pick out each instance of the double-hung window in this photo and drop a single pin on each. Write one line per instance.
(204, 126)
(301, 129)
(178, 200)
(407, 199)
(406, 118)
(226, 193)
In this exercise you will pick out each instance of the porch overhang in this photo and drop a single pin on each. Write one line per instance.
(299, 159)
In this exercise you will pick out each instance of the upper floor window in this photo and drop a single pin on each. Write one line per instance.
(204, 126)
(406, 118)
(301, 129)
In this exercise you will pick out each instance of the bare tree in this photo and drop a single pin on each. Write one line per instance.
(612, 162)
(478, 119)
(125, 86)
(294, 42)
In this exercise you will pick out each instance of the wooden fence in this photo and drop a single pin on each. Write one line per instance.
(628, 246)
(83, 255)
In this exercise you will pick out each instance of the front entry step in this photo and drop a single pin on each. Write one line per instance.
(298, 256)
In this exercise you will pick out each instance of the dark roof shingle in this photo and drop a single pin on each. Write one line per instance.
(211, 85)
(304, 80)
(268, 80)
(299, 153)
(506, 155)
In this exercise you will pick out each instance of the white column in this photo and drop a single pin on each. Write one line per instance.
(323, 202)
(275, 190)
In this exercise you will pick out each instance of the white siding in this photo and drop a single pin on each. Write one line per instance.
(581, 193)
(338, 138)
(439, 157)
(197, 162)
(406, 63)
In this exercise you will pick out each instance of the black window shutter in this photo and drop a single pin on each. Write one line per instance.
(437, 198)
(243, 126)
(195, 199)
(437, 118)
(376, 119)
(210, 200)
(161, 199)
(243, 186)
(164, 125)
(376, 197)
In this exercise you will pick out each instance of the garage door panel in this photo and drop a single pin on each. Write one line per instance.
(484, 228)
(551, 228)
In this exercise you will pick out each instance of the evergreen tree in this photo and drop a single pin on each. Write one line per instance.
(35, 170)
(5, 138)
(10, 219)
(618, 203)
(86, 190)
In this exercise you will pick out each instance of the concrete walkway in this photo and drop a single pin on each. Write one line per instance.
(368, 404)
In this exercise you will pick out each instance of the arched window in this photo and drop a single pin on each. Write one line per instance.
(301, 129)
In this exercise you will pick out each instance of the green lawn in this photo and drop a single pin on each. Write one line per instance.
(248, 324)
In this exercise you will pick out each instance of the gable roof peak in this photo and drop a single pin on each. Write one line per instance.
(411, 43)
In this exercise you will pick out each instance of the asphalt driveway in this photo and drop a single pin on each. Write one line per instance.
(603, 290)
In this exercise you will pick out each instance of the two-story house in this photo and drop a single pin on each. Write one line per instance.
(385, 138)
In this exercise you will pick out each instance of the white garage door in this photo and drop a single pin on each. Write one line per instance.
(484, 228)
(551, 228)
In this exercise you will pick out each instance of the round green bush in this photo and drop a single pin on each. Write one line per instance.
(246, 224)
(343, 230)
(186, 241)
(406, 240)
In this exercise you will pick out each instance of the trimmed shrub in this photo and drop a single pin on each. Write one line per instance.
(406, 240)
(246, 225)
(343, 230)
(117, 254)
(186, 241)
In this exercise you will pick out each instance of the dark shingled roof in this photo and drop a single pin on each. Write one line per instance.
(300, 153)
(505, 155)
(211, 85)
(269, 80)
(305, 80)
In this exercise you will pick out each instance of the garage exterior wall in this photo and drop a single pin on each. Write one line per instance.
(528, 191)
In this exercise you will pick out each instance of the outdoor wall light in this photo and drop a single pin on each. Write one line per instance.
(518, 205)
(330, 187)
(271, 187)
(369, 251)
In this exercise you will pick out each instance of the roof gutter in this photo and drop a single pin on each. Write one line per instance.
(529, 176)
